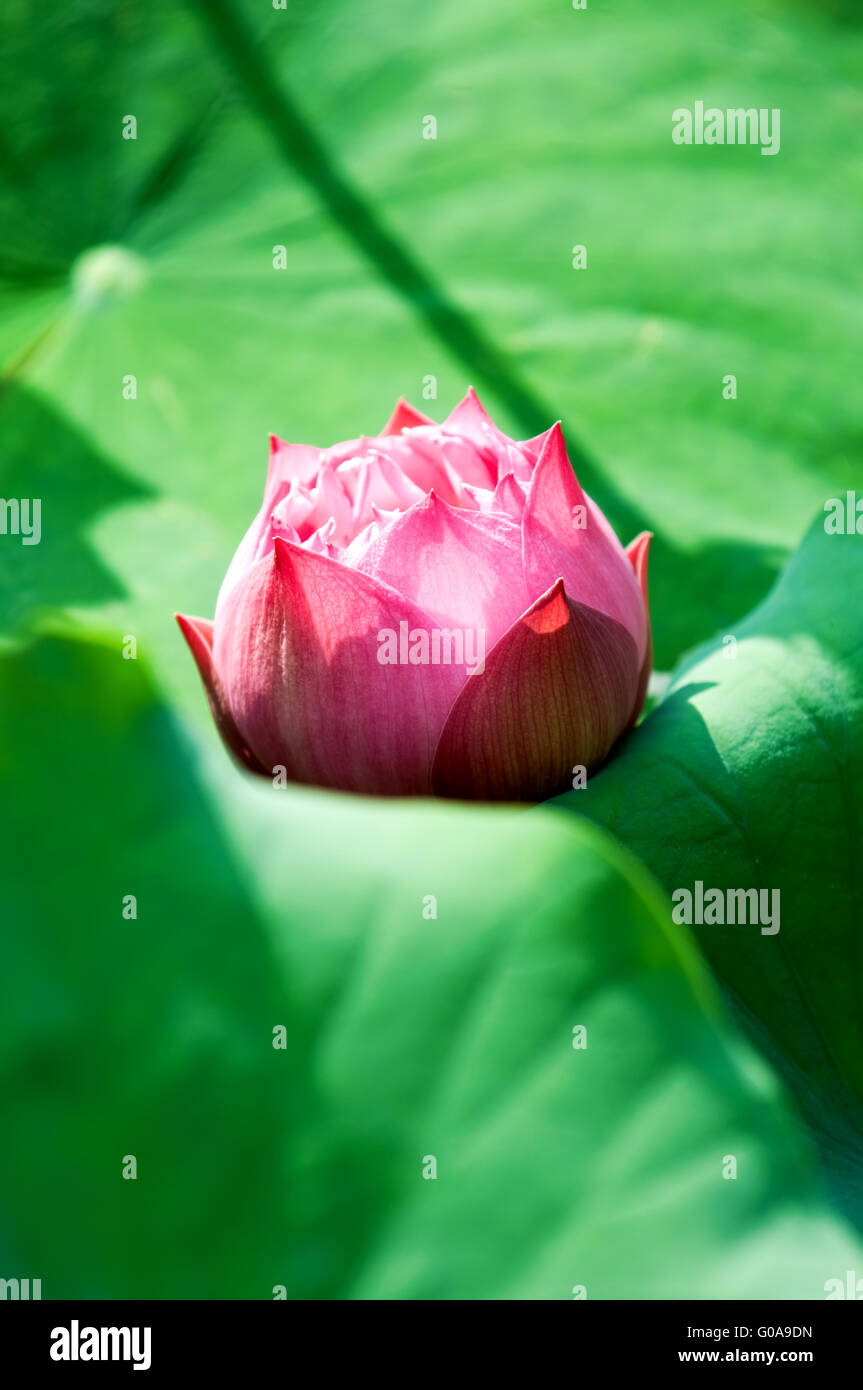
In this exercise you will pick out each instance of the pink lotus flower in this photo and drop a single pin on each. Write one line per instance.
(436, 610)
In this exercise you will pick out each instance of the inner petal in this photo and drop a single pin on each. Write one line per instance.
(463, 567)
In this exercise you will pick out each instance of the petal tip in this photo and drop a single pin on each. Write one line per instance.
(198, 633)
(637, 552)
(405, 417)
(550, 611)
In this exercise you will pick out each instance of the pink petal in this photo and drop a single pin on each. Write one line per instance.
(297, 651)
(198, 633)
(435, 460)
(277, 512)
(330, 501)
(352, 556)
(556, 692)
(591, 560)
(509, 497)
(636, 552)
(390, 486)
(470, 419)
(346, 449)
(287, 503)
(462, 567)
(405, 417)
(288, 461)
(532, 448)
(290, 513)
(465, 462)
(319, 541)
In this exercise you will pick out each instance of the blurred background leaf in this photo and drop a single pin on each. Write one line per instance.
(407, 1036)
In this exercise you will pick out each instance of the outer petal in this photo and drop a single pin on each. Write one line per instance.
(463, 567)
(557, 691)
(591, 560)
(198, 632)
(297, 652)
(405, 417)
(637, 554)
